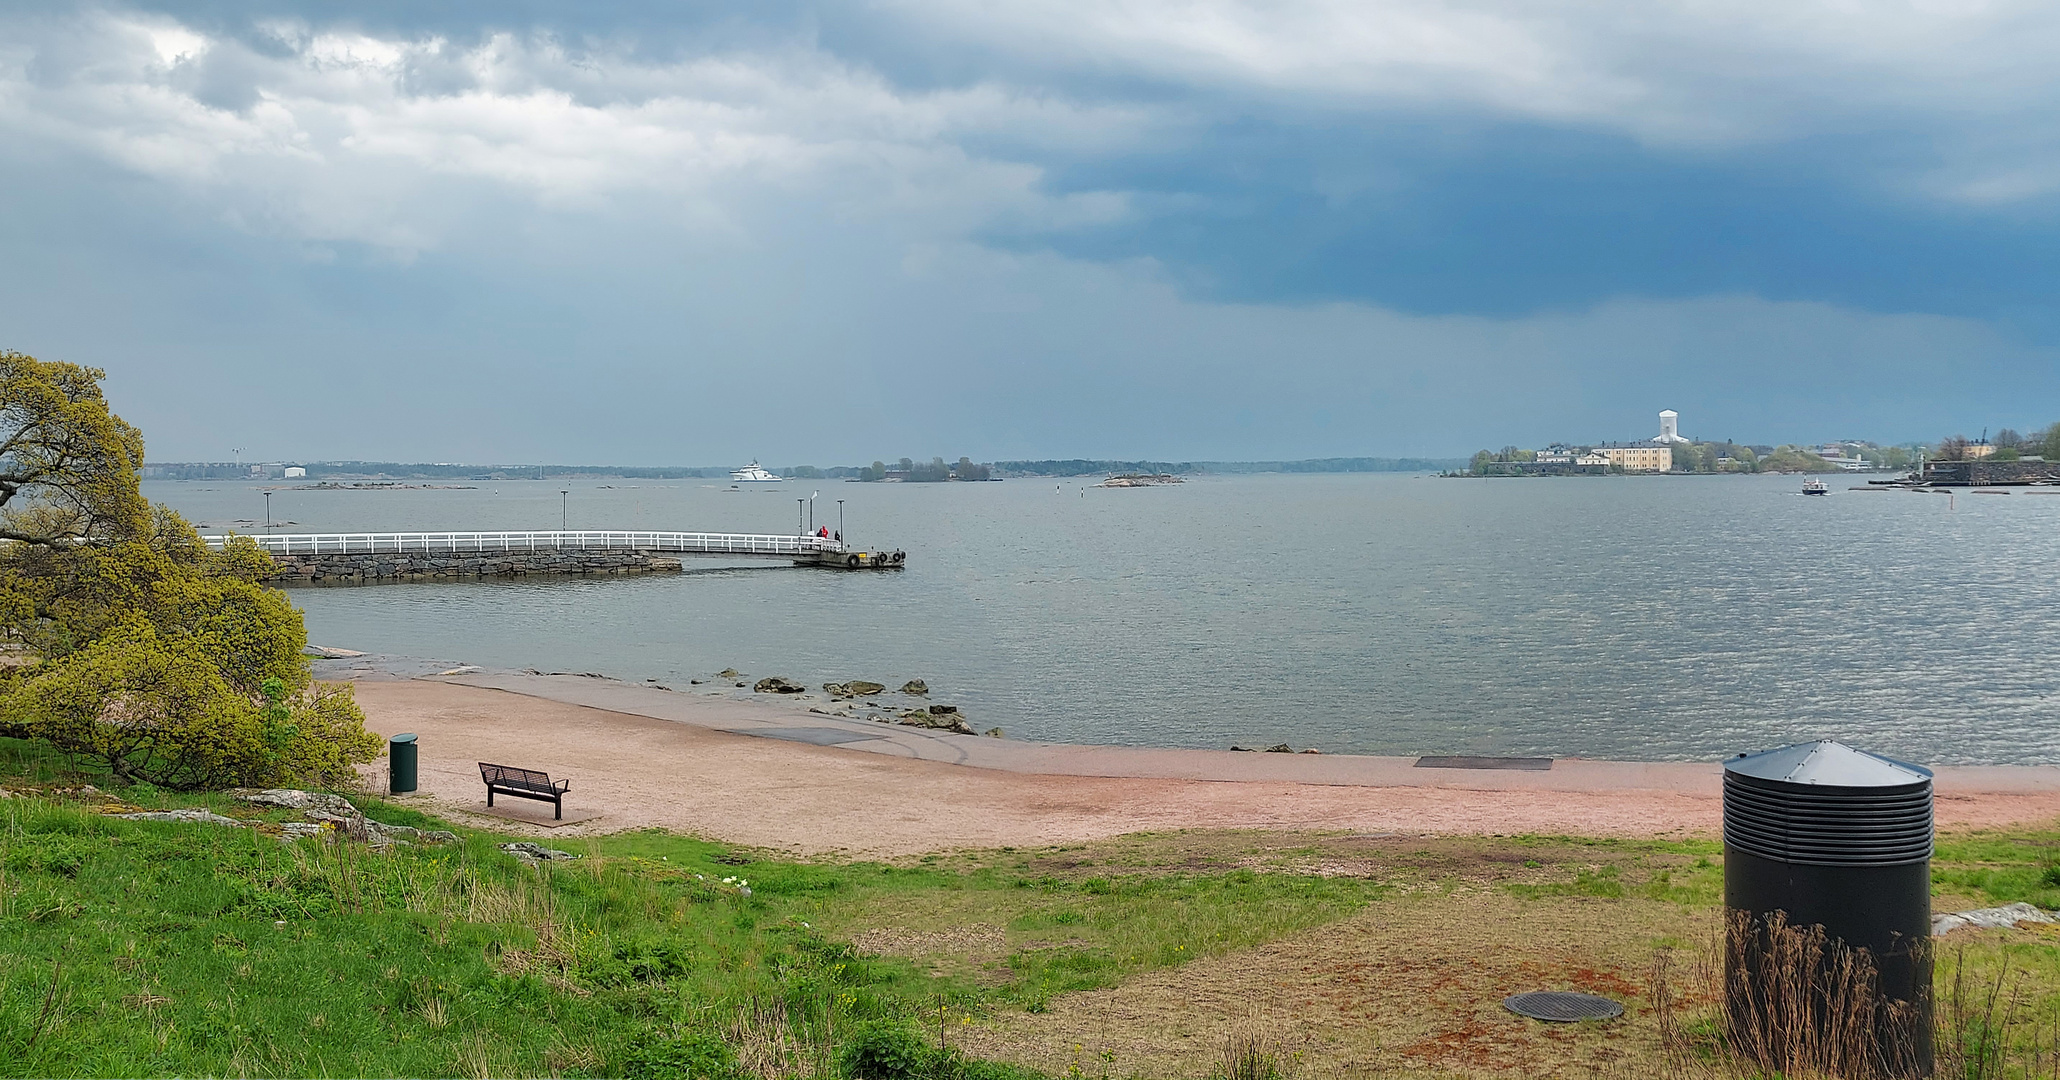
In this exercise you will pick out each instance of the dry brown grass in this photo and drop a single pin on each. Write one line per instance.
(1414, 983)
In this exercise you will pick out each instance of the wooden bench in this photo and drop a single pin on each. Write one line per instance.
(524, 784)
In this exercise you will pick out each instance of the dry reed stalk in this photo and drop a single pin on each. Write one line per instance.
(1254, 1050)
(767, 1045)
(1808, 1010)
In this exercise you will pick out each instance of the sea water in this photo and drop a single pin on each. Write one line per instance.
(1648, 618)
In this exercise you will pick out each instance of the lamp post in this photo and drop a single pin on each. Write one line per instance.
(564, 509)
(840, 519)
(268, 511)
(811, 510)
(798, 515)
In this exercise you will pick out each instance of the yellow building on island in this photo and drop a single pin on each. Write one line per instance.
(1646, 458)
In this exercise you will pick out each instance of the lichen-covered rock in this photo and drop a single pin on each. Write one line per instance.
(915, 686)
(534, 852)
(204, 817)
(320, 801)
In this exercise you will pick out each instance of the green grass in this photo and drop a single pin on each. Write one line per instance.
(138, 948)
(145, 948)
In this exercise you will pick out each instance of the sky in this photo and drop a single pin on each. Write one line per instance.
(698, 233)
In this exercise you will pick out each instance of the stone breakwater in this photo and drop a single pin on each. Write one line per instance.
(429, 565)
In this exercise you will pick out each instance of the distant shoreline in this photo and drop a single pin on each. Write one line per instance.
(391, 471)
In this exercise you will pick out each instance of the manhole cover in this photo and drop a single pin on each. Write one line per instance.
(1562, 1006)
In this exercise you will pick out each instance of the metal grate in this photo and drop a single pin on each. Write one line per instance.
(1562, 1006)
(820, 736)
(1467, 761)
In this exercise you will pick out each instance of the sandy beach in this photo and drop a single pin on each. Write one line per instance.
(693, 769)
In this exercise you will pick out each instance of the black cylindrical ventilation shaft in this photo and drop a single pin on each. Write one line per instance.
(1820, 837)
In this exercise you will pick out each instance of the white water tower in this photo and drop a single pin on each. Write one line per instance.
(1669, 427)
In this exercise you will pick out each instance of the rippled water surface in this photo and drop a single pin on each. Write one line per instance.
(1627, 617)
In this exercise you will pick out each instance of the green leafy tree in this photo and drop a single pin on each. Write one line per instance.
(931, 472)
(162, 658)
(1791, 459)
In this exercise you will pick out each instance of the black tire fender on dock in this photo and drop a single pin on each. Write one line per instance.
(851, 561)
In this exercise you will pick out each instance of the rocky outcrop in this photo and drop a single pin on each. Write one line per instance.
(773, 684)
(915, 686)
(326, 814)
(203, 817)
(299, 800)
(1995, 918)
(854, 688)
(333, 814)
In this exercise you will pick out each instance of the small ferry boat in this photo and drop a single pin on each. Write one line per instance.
(1814, 486)
(753, 473)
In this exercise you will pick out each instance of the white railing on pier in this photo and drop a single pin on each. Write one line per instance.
(677, 543)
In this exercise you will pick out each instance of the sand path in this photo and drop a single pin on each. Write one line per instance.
(681, 771)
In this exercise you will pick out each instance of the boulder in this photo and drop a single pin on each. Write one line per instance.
(943, 710)
(1280, 748)
(915, 686)
(923, 718)
(862, 688)
(773, 684)
(837, 689)
(728, 673)
(994, 733)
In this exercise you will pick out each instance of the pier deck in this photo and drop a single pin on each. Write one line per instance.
(317, 557)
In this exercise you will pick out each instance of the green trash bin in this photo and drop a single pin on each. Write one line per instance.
(401, 754)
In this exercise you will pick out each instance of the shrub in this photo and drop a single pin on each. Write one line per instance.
(883, 1050)
(161, 711)
(694, 1056)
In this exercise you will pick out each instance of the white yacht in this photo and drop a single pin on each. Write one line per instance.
(753, 473)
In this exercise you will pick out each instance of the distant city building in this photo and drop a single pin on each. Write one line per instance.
(1979, 450)
(1669, 427)
(1591, 458)
(295, 472)
(1647, 458)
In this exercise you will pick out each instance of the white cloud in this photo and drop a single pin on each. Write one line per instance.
(337, 141)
